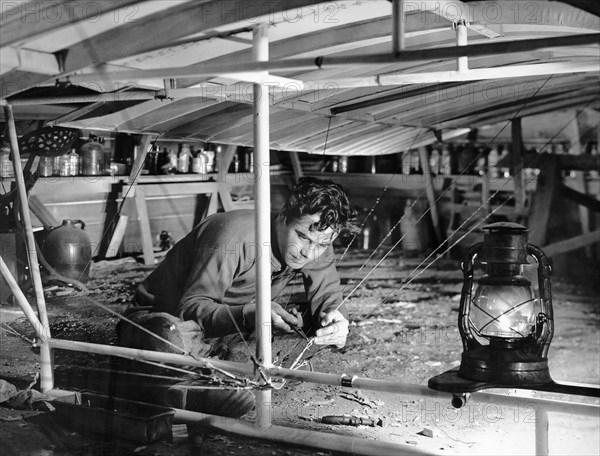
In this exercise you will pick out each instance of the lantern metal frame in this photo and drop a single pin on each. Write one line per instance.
(520, 363)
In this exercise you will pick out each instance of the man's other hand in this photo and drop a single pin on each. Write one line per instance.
(334, 329)
(283, 320)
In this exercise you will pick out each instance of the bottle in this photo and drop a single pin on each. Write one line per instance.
(198, 163)
(415, 163)
(184, 159)
(63, 167)
(161, 159)
(210, 160)
(480, 166)
(151, 162)
(73, 163)
(411, 229)
(170, 166)
(92, 157)
(445, 162)
(505, 169)
(343, 164)
(406, 162)
(236, 163)
(6, 166)
(434, 162)
(492, 160)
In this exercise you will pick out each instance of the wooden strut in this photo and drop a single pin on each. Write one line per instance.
(327, 61)
(46, 368)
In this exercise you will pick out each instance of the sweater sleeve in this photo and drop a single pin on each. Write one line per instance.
(212, 272)
(322, 285)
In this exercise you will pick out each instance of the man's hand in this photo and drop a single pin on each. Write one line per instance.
(334, 329)
(281, 319)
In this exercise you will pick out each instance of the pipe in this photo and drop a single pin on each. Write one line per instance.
(46, 370)
(398, 26)
(461, 40)
(147, 355)
(323, 378)
(503, 47)
(260, 52)
(296, 436)
(541, 432)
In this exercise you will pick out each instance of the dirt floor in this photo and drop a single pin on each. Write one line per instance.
(408, 339)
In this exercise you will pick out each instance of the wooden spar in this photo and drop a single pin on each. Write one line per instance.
(436, 77)
(504, 47)
(47, 374)
(260, 53)
(433, 77)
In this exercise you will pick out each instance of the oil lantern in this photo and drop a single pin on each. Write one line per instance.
(505, 326)
(506, 329)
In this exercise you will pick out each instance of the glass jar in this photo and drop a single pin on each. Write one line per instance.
(92, 158)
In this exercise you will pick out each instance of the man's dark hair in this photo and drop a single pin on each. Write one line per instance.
(312, 196)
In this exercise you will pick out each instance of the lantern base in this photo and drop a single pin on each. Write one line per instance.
(504, 366)
(451, 382)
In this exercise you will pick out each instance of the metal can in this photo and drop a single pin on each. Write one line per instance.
(46, 166)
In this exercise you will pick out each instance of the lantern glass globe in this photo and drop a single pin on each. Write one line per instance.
(504, 311)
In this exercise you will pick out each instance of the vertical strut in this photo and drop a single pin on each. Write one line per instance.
(46, 369)
(263, 225)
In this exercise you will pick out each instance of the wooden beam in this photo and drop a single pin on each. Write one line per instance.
(28, 60)
(504, 47)
(517, 166)
(144, 222)
(185, 19)
(541, 207)
(573, 243)
(41, 212)
(296, 166)
(22, 20)
(430, 192)
(582, 162)
(580, 198)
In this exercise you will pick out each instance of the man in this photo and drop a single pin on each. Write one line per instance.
(205, 287)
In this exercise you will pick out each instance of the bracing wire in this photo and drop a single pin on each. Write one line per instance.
(406, 283)
(440, 196)
(375, 204)
(421, 271)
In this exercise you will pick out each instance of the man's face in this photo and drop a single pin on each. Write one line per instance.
(298, 245)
